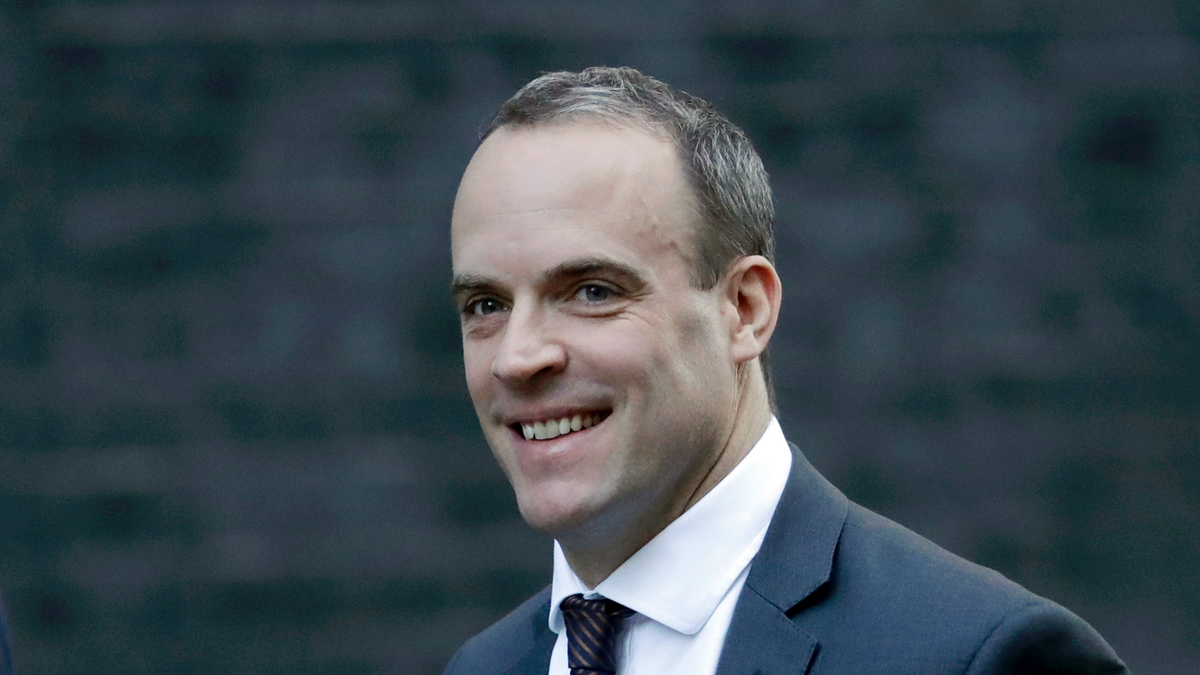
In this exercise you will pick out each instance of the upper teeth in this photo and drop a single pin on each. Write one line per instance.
(555, 428)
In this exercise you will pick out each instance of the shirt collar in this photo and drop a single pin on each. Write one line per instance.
(679, 577)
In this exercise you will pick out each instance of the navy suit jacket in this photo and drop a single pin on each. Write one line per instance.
(838, 589)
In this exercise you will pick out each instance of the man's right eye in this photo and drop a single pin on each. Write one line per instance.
(484, 306)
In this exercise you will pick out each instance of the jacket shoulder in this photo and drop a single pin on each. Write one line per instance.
(1045, 639)
(896, 564)
(928, 610)
(505, 643)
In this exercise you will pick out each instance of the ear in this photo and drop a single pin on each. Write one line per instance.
(751, 298)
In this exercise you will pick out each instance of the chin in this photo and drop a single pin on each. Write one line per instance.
(553, 517)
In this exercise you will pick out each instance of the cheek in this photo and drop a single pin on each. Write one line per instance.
(626, 354)
(477, 366)
(692, 352)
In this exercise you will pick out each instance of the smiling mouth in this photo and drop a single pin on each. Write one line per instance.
(544, 430)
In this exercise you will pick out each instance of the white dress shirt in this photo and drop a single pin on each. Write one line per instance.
(685, 582)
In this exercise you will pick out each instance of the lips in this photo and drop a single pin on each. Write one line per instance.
(544, 430)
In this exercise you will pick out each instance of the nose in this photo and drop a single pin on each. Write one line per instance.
(528, 354)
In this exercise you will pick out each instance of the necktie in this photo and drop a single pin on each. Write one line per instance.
(592, 627)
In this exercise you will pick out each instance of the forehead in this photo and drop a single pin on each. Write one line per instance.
(577, 182)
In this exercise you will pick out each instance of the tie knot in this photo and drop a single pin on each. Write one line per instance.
(592, 627)
(577, 604)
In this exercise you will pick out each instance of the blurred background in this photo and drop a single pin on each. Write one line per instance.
(234, 433)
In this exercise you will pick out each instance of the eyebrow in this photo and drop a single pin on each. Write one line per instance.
(582, 267)
(467, 283)
(570, 269)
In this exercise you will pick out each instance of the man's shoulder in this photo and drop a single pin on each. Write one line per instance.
(890, 585)
(895, 562)
(503, 644)
(840, 555)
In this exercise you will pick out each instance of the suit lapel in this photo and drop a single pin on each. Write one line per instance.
(762, 640)
(795, 560)
(541, 640)
(537, 660)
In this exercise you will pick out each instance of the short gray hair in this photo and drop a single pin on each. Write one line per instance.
(722, 166)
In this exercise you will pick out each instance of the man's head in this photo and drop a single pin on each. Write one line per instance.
(574, 241)
(719, 163)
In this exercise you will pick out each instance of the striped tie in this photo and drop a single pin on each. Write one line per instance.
(592, 627)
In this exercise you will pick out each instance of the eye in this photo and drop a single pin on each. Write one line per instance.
(594, 293)
(483, 307)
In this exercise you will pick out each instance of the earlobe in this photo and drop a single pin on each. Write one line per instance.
(754, 294)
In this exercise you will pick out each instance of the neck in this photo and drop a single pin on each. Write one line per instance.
(598, 557)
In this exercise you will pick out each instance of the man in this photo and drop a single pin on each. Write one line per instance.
(612, 247)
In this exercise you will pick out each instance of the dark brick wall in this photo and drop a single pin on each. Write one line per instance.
(234, 435)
